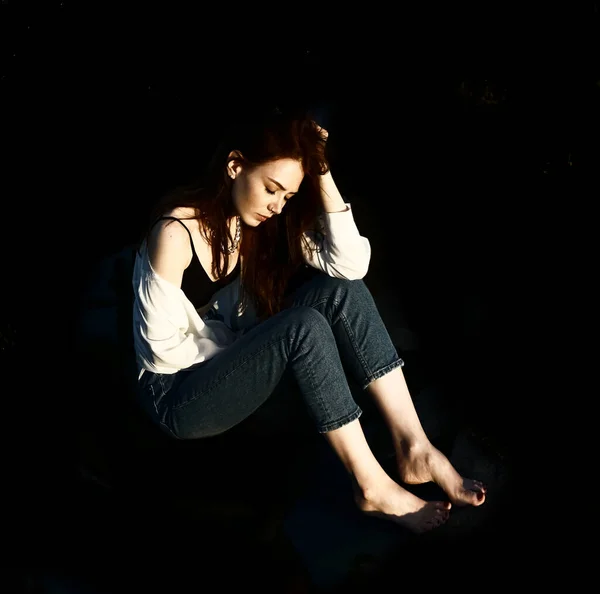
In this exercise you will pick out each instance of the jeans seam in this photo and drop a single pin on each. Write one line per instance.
(169, 430)
(357, 351)
(151, 387)
(162, 390)
(348, 328)
(317, 392)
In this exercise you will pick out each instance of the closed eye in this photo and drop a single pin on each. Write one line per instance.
(272, 192)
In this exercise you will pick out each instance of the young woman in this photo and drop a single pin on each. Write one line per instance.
(220, 315)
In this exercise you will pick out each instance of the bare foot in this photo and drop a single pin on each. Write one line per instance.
(422, 464)
(392, 502)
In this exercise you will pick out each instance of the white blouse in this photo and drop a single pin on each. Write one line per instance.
(169, 333)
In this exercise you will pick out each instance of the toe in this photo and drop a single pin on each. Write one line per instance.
(475, 497)
(470, 496)
(478, 485)
(440, 517)
(472, 485)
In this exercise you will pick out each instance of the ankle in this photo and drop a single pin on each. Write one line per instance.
(369, 490)
(412, 446)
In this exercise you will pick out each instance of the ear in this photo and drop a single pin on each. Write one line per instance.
(234, 167)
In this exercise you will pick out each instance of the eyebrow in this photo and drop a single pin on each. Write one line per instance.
(277, 183)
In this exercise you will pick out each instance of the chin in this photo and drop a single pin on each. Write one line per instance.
(250, 221)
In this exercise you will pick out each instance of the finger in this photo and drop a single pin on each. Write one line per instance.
(321, 129)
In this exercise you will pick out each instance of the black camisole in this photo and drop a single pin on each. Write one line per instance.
(196, 284)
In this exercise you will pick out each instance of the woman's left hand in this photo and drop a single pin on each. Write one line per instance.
(324, 134)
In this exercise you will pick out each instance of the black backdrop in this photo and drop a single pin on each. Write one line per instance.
(466, 139)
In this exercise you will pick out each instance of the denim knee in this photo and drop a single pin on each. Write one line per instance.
(309, 320)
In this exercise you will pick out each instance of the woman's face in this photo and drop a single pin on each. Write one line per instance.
(257, 191)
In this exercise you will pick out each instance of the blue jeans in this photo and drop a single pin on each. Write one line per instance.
(331, 327)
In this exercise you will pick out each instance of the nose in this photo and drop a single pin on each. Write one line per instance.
(277, 207)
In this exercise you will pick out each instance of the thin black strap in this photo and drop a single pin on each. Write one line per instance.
(179, 221)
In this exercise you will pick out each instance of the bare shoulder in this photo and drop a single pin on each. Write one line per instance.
(170, 232)
(169, 247)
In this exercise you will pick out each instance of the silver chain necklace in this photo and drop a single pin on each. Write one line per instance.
(236, 241)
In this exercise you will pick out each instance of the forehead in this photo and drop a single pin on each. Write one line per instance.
(288, 169)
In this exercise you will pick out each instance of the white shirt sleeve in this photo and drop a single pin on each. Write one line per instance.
(169, 334)
(344, 252)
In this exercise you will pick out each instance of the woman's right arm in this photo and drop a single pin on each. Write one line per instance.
(169, 251)
(163, 326)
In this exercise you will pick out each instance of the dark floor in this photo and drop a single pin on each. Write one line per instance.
(126, 498)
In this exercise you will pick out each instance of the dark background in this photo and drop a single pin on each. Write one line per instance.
(466, 138)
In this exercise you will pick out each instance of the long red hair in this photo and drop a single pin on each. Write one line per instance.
(271, 252)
